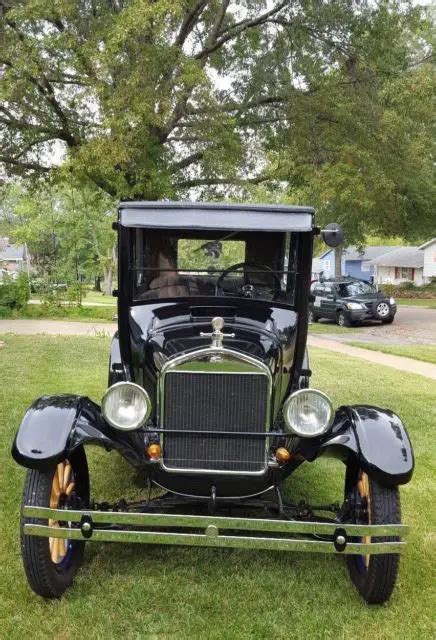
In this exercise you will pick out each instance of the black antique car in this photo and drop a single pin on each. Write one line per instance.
(209, 399)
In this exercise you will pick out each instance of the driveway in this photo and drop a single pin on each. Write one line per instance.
(412, 325)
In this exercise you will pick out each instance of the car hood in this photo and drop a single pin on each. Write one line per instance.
(367, 298)
(164, 331)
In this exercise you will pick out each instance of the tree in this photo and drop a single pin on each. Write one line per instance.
(152, 98)
(67, 228)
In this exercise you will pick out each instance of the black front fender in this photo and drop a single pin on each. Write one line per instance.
(54, 426)
(373, 439)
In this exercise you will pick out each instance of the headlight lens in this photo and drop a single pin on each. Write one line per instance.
(126, 406)
(391, 300)
(308, 413)
(355, 305)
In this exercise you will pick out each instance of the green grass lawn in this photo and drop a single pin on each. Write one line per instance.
(97, 296)
(39, 312)
(426, 353)
(135, 591)
(429, 303)
(328, 327)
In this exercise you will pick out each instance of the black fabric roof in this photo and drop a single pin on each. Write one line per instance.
(222, 215)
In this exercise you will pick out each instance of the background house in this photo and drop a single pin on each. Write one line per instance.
(316, 268)
(429, 250)
(403, 264)
(355, 263)
(13, 257)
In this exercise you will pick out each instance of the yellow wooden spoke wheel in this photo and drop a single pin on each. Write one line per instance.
(62, 486)
(51, 563)
(374, 576)
(364, 492)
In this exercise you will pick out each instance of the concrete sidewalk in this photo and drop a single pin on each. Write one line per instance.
(408, 365)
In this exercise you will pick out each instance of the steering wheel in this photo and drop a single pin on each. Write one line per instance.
(248, 289)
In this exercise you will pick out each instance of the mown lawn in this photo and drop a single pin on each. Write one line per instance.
(327, 326)
(424, 352)
(429, 303)
(135, 591)
(43, 312)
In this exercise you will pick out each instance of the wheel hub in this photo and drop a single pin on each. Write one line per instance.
(383, 309)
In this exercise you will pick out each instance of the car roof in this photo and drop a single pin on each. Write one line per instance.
(342, 280)
(219, 216)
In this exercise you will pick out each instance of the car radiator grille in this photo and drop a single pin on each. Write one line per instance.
(215, 403)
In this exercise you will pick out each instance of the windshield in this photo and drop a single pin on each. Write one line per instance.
(357, 288)
(174, 264)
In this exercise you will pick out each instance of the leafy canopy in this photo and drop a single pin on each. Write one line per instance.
(324, 102)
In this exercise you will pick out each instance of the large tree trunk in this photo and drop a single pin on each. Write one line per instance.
(338, 260)
(109, 272)
(108, 279)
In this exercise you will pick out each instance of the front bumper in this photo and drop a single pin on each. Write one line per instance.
(213, 531)
(360, 315)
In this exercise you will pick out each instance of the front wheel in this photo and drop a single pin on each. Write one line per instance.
(312, 317)
(52, 563)
(374, 576)
(343, 320)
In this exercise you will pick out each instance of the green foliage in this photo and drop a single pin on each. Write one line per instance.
(193, 254)
(409, 290)
(329, 103)
(67, 229)
(14, 293)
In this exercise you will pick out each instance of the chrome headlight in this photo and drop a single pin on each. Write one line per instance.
(391, 300)
(308, 413)
(355, 305)
(126, 406)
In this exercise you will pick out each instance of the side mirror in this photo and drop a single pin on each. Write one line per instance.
(333, 234)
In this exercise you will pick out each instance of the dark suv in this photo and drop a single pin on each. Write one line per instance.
(349, 301)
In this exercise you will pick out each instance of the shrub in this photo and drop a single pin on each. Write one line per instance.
(14, 294)
(401, 291)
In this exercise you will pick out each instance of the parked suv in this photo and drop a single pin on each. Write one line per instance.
(349, 301)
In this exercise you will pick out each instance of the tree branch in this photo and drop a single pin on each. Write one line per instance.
(199, 182)
(189, 22)
(239, 28)
(185, 162)
(33, 166)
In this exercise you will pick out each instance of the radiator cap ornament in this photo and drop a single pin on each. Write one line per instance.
(217, 335)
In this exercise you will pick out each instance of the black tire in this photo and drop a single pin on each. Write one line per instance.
(388, 321)
(376, 580)
(312, 316)
(45, 577)
(342, 319)
(381, 310)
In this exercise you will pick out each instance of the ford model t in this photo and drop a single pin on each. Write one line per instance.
(209, 399)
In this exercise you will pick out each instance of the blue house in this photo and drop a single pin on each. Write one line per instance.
(354, 263)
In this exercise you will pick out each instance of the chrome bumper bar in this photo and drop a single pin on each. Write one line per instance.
(212, 531)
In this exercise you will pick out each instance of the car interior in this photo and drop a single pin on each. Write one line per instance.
(190, 264)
